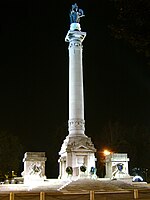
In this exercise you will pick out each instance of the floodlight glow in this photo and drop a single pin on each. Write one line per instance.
(106, 152)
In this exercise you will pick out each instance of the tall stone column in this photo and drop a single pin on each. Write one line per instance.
(77, 151)
(76, 121)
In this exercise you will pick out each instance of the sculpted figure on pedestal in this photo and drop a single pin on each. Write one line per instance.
(76, 14)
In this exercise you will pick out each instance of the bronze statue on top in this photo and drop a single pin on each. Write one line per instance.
(76, 14)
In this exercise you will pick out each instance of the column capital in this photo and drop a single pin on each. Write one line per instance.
(78, 35)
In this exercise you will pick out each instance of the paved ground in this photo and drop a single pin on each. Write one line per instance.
(73, 186)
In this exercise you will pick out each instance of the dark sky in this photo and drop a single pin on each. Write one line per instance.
(34, 73)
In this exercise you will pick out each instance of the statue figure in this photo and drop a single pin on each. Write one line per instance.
(76, 14)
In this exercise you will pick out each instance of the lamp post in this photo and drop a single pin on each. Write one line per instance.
(103, 154)
(106, 152)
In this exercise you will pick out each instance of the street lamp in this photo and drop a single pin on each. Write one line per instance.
(106, 152)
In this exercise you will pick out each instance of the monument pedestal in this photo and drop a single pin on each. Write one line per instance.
(77, 153)
(34, 167)
(117, 166)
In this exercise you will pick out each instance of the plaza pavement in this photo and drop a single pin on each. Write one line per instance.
(72, 186)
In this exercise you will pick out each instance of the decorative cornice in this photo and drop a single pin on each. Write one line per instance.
(75, 143)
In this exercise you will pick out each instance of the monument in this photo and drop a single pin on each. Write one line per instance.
(34, 167)
(117, 166)
(77, 154)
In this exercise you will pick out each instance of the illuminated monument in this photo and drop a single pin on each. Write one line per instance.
(77, 154)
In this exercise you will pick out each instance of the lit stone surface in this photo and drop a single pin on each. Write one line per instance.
(117, 165)
(34, 167)
(76, 95)
(79, 185)
(77, 150)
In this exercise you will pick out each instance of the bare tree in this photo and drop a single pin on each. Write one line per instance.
(11, 151)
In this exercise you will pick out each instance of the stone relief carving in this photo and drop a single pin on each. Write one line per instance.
(75, 144)
(76, 124)
(75, 44)
(36, 169)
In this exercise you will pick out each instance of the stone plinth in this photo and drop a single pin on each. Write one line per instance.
(76, 152)
(34, 167)
(117, 165)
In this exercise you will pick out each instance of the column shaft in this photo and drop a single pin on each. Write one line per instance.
(76, 90)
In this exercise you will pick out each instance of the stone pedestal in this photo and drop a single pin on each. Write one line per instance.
(76, 152)
(34, 167)
(117, 166)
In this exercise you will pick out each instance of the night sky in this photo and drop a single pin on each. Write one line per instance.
(34, 74)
